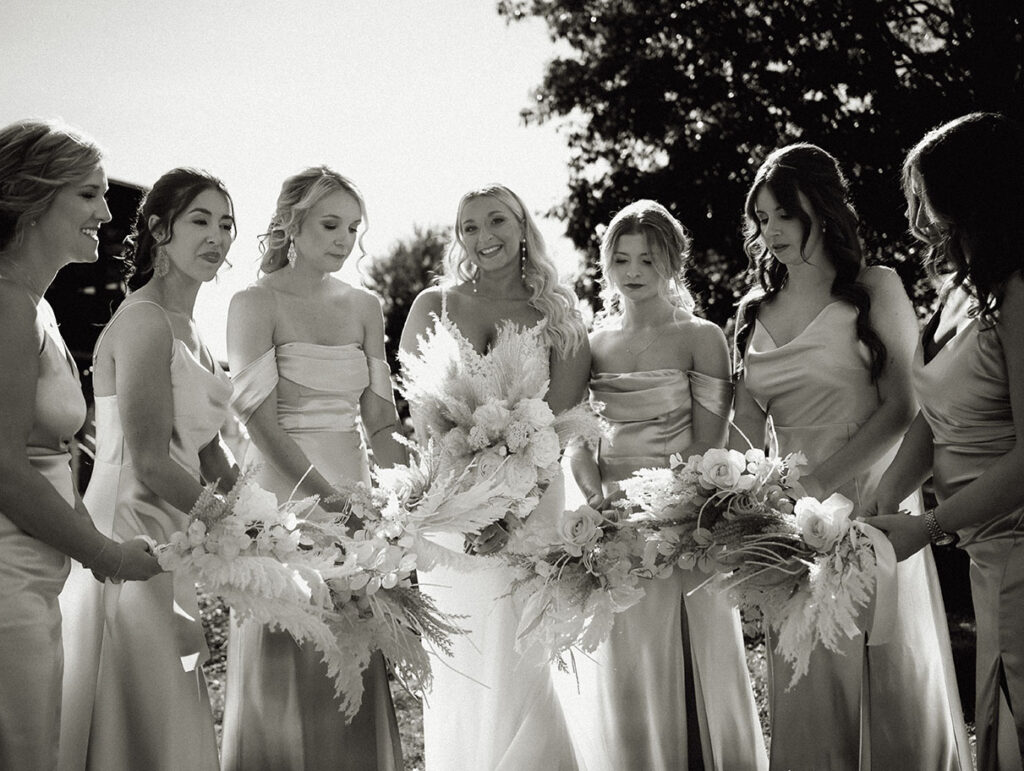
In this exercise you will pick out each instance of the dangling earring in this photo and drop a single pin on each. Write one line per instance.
(162, 263)
(522, 259)
(476, 275)
(292, 254)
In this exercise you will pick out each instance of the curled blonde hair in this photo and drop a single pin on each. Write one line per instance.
(300, 193)
(565, 329)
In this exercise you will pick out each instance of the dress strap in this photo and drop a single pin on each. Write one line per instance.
(253, 384)
(380, 378)
(121, 309)
(711, 393)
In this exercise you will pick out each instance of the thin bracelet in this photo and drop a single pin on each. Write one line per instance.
(120, 562)
(382, 428)
(103, 548)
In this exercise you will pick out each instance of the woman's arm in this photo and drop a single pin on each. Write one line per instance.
(710, 357)
(907, 472)
(250, 335)
(216, 465)
(379, 416)
(26, 497)
(141, 351)
(569, 377)
(583, 458)
(893, 319)
(425, 308)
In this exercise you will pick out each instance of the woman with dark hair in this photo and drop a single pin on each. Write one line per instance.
(824, 346)
(134, 692)
(52, 188)
(495, 706)
(669, 688)
(307, 353)
(964, 184)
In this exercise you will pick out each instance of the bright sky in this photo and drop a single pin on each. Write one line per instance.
(416, 100)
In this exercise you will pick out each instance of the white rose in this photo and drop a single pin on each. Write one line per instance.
(492, 417)
(579, 529)
(254, 504)
(723, 470)
(823, 523)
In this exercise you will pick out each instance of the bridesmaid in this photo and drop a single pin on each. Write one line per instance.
(134, 692)
(825, 345)
(51, 208)
(653, 698)
(493, 707)
(308, 350)
(964, 183)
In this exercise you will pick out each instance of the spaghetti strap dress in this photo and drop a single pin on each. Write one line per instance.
(134, 691)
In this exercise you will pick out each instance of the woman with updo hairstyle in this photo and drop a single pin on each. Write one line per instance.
(134, 692)
(494, 706)
(314, 390)
(824, 346)
(964, 184)
(669, 688)
(52, 188)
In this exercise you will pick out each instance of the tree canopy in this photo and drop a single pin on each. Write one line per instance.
(680, 102)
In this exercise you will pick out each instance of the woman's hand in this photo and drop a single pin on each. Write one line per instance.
(129, 561)
(907, 533)
(489, 540)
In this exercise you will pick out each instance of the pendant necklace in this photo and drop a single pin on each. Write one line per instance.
(645, 346)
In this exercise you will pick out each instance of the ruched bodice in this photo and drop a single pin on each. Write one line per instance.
(280, 709)
(817, 388)
(650, 414)
(318, 386)
(965, 397)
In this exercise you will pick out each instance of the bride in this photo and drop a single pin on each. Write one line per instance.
(491, 706)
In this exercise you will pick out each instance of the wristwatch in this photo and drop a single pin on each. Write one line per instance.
(936, 534)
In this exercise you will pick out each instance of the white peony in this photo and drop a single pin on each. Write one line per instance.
(579, 529)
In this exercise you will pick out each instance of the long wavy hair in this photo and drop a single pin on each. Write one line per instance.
(786, 172)
(565, 329)
(971, 171)
(167, 200)
(300, 193)
(37, 159)
(669, 245)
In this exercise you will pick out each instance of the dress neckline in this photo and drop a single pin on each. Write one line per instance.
(501, 326)
(803, 331)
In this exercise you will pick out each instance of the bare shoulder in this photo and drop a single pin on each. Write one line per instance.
(880, 279)
(697, 331)
(17, 308)
(428, 301)
(363, 299)
(256, 298)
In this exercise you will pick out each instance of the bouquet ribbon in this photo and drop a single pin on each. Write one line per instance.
(883, 621)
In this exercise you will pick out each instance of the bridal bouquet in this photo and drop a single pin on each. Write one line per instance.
(494, 418)
(803, 564)
(571, 589)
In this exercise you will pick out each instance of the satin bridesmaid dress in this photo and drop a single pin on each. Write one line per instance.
(893, 705)
(670, 688)
(280, 711)
(964, 396)
(32, 572)
(134, 691)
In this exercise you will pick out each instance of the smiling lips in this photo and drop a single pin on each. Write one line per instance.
(93, 233)
(489, 251)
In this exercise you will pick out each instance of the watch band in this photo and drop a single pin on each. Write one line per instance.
(936, 534)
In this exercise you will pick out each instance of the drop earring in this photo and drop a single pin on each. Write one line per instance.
(162, 263)
(476, 275)
(292, 254)
(522, 259)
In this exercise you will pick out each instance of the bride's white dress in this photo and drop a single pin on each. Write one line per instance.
(492, 707)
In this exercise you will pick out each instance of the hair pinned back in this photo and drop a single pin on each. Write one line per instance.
(300, 193)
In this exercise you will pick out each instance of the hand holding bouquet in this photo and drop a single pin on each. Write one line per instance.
(803, 564)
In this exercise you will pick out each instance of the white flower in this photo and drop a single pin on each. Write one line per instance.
(255, 504)
(723, 469)
(579, 529)
(492, 416)
(823, 523)
(535, 413)
(543, 449)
